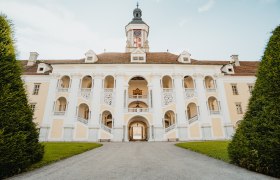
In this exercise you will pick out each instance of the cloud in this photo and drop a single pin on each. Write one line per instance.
(206, 7)
(183, 22)
(53, 31)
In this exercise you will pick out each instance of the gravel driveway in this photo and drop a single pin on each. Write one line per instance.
(140, 160)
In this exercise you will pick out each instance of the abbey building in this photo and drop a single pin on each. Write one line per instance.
(138, 94)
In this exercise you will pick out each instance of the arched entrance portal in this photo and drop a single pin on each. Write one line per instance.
(138, 129)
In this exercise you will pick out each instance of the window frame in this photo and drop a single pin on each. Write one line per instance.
(36, 88)
(234, 89)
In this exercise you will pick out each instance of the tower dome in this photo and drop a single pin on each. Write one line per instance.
(137, 16)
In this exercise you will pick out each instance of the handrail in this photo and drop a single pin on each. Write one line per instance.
(170, 127)
(85, 89)
(59, 113)
(60, 89)
(137, 96)
(82, 120)
(106, 128)
(167, 89)
(214, 112)
(138, 109)
(193, 119)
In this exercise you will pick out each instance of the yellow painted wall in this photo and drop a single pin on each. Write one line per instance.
(171, 135)
(56, 129)
(39, 99)
(81, 131)
(217, 127)
(194, 131)
(243, 97)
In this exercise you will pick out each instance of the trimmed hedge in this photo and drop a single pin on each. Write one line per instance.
(19, 146)
(256, 143)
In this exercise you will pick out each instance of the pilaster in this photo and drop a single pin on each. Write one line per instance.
(180, 107)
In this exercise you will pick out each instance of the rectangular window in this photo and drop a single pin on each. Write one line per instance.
(135, 58)
(36, 89)
(33, 106)
(250, 87)
(41, 69)
(234, 89)
(238, 108)
(141, 58)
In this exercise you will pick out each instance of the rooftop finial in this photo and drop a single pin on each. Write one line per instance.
(137, 4)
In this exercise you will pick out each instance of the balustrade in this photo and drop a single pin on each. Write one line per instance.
(169, 128)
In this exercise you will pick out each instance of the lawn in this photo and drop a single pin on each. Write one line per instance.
(55, 151)
(215, 149)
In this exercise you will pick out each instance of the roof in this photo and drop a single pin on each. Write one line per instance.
(246, 68)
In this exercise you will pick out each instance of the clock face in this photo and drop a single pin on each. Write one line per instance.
(137, 32)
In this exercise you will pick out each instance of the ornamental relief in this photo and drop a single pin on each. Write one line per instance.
(108, 98)
(167, 98)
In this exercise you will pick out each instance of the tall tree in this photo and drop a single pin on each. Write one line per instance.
(19, 146)
(256, 143)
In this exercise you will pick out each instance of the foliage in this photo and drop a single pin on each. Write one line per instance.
(215, 149)
(55, 151)
(19, 146)
(256, 143)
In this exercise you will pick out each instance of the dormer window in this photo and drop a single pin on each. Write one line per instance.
(90, 57)
(138, 56)
(185, 57)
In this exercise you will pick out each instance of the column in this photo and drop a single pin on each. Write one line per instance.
(204, 117)
(157, 127)
(228, 127)
(93, 123)
(180, 107)
(72, 105)
(120, 128)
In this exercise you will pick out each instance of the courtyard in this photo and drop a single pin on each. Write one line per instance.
(140, 160)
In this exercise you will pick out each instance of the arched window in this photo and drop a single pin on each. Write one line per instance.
(192, 110)
(61, 104)
(213, 105)
(169, 118)
(83, 111)
(167, 82)
(86, 82)
(188, 82)
(107, 119)
(209, 82)
(109, 82)
(64, 82)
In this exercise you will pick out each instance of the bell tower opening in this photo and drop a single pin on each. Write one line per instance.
(137, 32)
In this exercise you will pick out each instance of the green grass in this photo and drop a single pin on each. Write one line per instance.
(215, 149)
(55, 151)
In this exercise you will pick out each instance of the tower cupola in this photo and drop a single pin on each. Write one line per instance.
(137, 32)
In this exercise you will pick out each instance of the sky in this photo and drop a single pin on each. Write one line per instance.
(207, 29)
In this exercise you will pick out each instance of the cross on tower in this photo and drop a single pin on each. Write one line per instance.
(137, 4)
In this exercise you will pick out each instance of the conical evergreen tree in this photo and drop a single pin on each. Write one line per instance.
(19, 146)
(256, 144)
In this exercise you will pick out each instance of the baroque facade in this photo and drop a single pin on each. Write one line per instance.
(137, 94)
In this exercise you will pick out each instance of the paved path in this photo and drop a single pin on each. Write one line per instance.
(140, 160)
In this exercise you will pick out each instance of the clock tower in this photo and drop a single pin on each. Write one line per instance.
(137, 32)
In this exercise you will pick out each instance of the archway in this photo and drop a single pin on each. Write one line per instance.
(138, 129)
